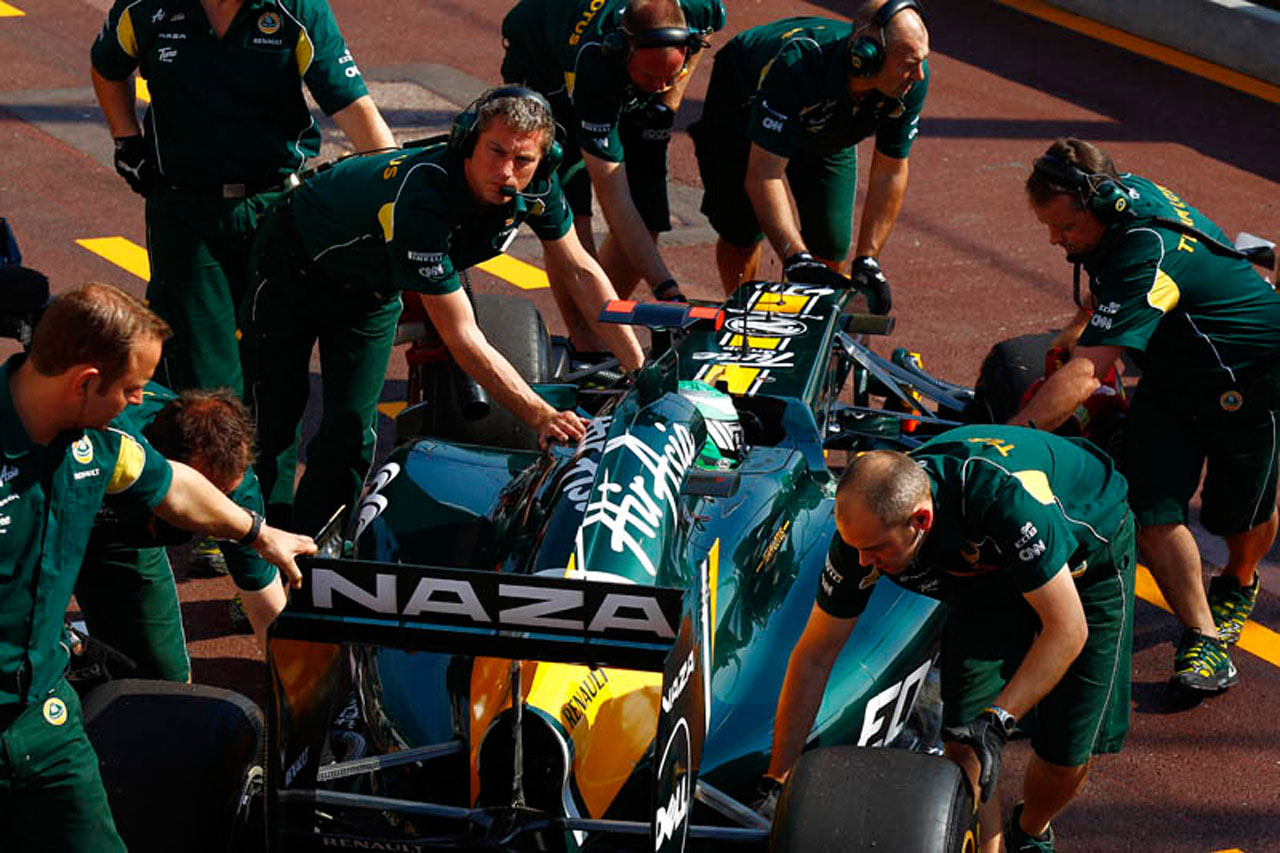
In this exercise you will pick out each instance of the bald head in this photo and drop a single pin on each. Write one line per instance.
(886, 483)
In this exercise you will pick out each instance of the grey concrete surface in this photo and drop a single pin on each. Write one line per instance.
(1236, 34)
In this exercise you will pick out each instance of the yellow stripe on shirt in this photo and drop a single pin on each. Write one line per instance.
(129, 464)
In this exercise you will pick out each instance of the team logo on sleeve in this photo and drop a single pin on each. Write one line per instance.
(269, 23)
(82, 450)
(55, 711)
(1231, 401)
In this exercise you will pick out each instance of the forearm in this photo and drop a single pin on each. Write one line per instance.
(364, 125)
(116, 99)
(1051, 654)
(1061, 393)
(772, 207)
(802, 689)
(193, 503)
(628, 229)
(1070, 333)
(886, 188)
(589, 288)
(477, 357)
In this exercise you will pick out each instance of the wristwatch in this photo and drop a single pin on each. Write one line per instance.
(255, 527)
(1008, 722)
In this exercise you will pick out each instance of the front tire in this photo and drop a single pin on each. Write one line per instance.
(856, 798)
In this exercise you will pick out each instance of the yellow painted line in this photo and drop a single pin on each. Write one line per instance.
(141, 90)
(1255, 639)
(126, 254)
(1150, 49)
(517, 272)
(392, 409)
(7, 11)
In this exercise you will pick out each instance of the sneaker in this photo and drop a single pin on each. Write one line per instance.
(1202, 664)
(206, 559)
(236, 612)
(1231, 605)
(1018, 841)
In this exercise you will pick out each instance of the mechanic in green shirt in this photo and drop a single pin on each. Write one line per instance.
(91, 354)
(1167, 288)
(790, 101)
(333, 262)
(615, 72)
(1028, 539)
(126, 589)
(226, 131)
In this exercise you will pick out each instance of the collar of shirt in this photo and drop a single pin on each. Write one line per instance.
(13, 435)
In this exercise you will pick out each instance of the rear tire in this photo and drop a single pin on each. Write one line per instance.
(514, 327)
(854, 798)
(181, 763)
(1010, 368)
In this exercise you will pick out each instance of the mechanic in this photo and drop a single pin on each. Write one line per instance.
(332, 264)
(126, 589)
(615, 72)
(1205, 329)
(791, 100)
(1027, 537)
(226, 131)
(92, 353)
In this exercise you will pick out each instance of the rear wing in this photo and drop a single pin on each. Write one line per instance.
(464, 611)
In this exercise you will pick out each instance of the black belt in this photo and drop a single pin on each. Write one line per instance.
(243, 189)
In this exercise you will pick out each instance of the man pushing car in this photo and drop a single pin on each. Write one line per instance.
(1029, 540)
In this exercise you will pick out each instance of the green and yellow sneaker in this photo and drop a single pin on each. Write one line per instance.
(1202, 664)
(206, 560)
(1231, 605)
(1016, 840)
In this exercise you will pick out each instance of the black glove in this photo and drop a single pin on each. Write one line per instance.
(765, 801)
(987, 735)
(804, 268)
(668, 291)
(655, 121)
(133, 162)
(868, 279)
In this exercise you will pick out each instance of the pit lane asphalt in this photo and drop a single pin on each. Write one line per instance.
(968, 263)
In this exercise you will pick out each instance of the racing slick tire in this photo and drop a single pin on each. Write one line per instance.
(856, 798)
(1010, 368)
(181, 763)
(514, 327)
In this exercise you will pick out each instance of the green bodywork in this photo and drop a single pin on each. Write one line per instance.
(625, 504)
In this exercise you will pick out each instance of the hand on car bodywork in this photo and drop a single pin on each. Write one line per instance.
(986, 736)
(870, 281)
(280, 547)
(560, 426)
(804, 268)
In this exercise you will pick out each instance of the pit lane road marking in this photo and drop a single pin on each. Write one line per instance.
(132, 258)
(122, 252)
(7, 11)
(1151, 50)
(1255, 639)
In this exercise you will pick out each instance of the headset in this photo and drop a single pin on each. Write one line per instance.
(622, 41)
(866, 55)
(465, 129)
(1103, 196)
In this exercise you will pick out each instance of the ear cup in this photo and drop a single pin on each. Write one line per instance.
(1106, 199)
(866, 54)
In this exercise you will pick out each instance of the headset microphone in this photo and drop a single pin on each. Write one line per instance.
(508, 191)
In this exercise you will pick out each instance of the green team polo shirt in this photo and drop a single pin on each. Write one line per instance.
(1190, 317)
(407, 218)
(789, 94)
(49, 497)
(230, 110)
(1010, 504)
(127, 523)
(562, 46)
